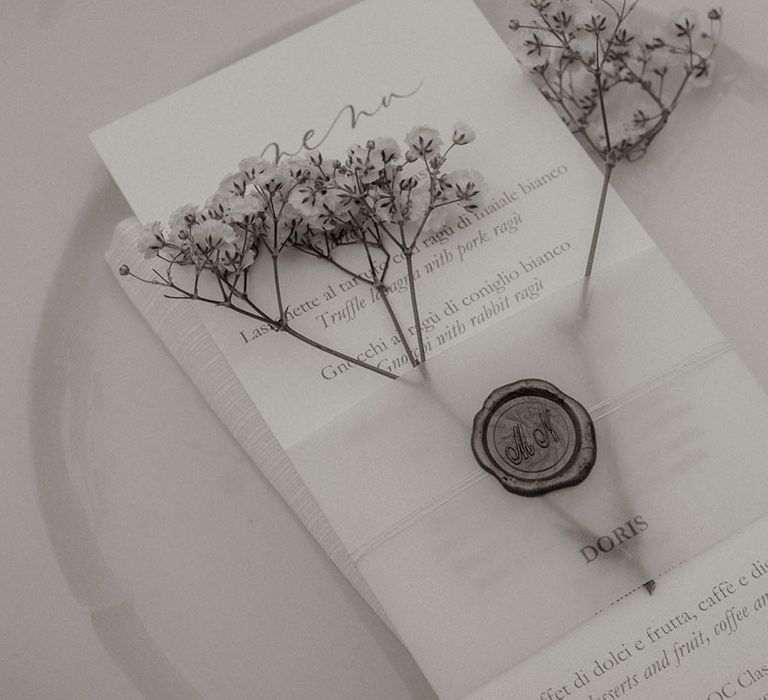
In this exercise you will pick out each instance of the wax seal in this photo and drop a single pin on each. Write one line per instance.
(534, 438)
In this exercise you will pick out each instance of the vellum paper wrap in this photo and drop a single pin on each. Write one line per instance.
(473, 578)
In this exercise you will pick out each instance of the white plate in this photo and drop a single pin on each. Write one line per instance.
(196, 577)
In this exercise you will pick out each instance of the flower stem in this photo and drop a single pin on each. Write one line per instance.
(278, 326)
(278, 293)
(378, 284)
(601, 96)
(382, 289)
(414, 303)
(608, 169)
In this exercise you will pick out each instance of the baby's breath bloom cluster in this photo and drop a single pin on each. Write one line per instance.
(612, 84)
(379, 198)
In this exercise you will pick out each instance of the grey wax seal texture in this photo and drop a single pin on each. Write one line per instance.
(534, 438)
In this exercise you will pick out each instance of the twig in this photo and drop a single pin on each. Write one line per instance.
(608, 169)
(414, 304)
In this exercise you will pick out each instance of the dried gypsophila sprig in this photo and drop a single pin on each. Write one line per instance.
(580, 52)
(375, 199)
(381, 202)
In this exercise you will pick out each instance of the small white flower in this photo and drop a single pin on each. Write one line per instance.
(649, 36)
(234, 184)
(407, 203)
(247, 260)
(275, 180)
(306, 200)
(424, 141)
(215, 206)
(257, 169)
(590, 19)
(180, 221)
(359, 161)
(467, 186)
(264, 173)
(419, 202)
(335, 205)
(153, 239)
(213, 234)
(232, 259)
(357, 156)
(612, 68)
(530, 50)
(645, 114)
(320, 167)
(292, 223)
(243, 209)
(462, 134)
(683, 22)
(701, 76)
(299, 168)
(385, 152)
(439, 218)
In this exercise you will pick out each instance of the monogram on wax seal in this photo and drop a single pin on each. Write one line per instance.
(534, 438)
